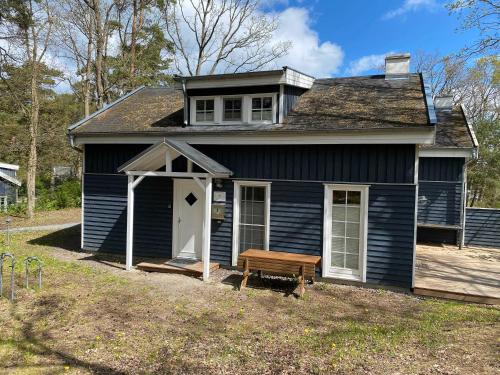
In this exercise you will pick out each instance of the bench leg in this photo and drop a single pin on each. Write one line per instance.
(246, 272)
(302, 288)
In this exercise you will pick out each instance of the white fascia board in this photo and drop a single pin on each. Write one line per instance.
(469, 127)
(12, 167)
(288, 77)
(447, 153)
(408, 136)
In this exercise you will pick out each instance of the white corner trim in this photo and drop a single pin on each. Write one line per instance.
(415, 224)
(82, 219)
(236, 215)
(327, 272)
(446, 153)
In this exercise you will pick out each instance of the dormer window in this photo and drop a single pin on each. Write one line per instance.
(262, 108)
(232, 109)
(204, 110)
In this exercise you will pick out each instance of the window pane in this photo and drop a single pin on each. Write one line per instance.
(200, 105)
(352, 230)
(259, 193)
(209, 116)
(338, 244)
(209, 105)
(338, 229)
(267, 102)
(256, 115)
(338, 260)
(339, 197)
(237, 104)
(352, 261)
(228, 104)
(338, 213)
(352, 246)
(267, 115)
(353, 197)
(200, 116)
(256, 103)
(353, 214)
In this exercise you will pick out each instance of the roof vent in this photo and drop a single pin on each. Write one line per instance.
(397, 66)
(444, 102)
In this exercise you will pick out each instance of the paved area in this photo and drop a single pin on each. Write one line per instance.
(467, 274)
(41, 228)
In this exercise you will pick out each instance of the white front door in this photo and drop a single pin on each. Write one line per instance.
(189, 201)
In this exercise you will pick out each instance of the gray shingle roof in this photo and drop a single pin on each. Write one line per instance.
(451, 130)
(354, 103)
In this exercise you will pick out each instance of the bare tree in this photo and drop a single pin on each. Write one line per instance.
(484, 16)
(27, 27)
(227, 35)
(76, 32)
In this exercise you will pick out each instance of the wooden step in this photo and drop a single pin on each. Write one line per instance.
(475, 298)
(194, 269)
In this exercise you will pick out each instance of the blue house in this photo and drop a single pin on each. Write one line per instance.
(274, 160)
(8, 185)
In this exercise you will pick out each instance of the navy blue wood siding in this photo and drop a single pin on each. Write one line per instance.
(107, 158)
(105, 212)
(482, 227)
(221, 243)
(297, 226)
(440, 169)
(335, 163)
(290, 96)
(439, 203)
(105, 215)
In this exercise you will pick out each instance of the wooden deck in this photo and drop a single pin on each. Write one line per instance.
(179, 266)
(471, 275)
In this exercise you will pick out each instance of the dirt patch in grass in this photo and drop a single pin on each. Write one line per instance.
(68, 215)
(93, 317)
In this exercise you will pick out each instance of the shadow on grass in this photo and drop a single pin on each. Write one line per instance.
(67, 239)
(31, 342)
(284, 285)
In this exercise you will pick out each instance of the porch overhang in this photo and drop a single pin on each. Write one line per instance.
(163, 153)
(156, 161)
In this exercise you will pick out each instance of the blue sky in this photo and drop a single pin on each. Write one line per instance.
(360, 32)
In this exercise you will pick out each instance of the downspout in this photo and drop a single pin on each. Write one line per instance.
(186, 112)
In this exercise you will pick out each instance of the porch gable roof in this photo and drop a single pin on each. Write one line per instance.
(10, 179)
(155, 157)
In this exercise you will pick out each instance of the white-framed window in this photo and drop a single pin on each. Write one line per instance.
(345, 231)
(261, 108)
(3, 203)
(251, 216)
(232, 109)
(205, 109)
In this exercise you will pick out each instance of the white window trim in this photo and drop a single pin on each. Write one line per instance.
(246, 109)
(327, 270)
(273, 108)
(236, 215)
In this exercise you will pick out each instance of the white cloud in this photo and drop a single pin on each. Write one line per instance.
(308, 53)
(366, 63)
(411, 6)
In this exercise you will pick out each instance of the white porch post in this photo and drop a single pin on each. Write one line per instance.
(207, 221)
(130, 222)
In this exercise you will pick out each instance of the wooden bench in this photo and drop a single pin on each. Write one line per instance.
(278, 263)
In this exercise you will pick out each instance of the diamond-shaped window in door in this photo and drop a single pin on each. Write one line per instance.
(191, 199)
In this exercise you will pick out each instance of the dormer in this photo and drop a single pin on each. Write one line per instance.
(252, 98)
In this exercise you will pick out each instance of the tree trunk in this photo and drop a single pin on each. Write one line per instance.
(33, 132)
(88, 72)
(133, 39)
(99, 51)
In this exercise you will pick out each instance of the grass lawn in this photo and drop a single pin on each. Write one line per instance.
(68, 215)
(93, 317)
